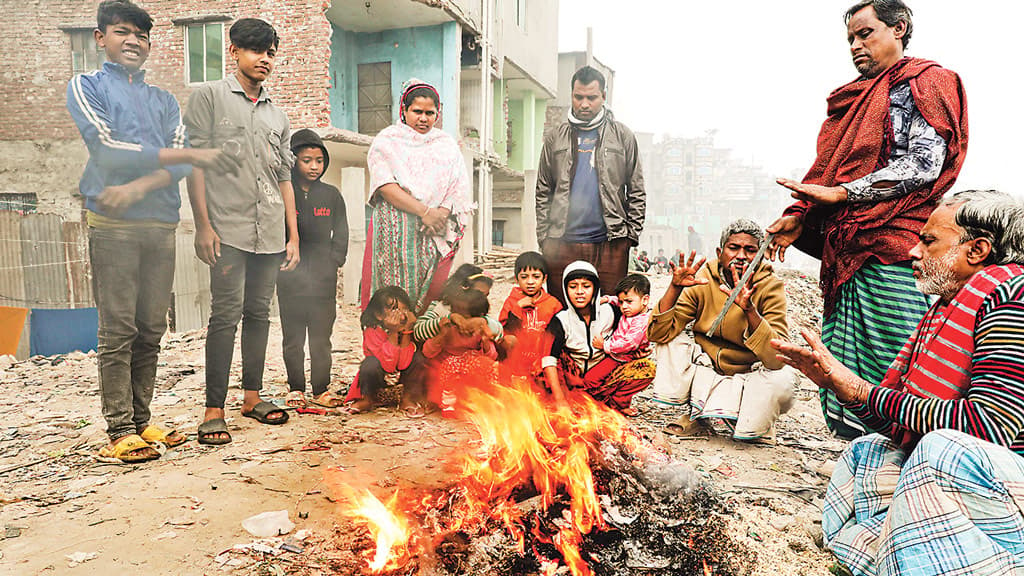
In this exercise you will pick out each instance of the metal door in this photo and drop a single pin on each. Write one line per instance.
(374, 97)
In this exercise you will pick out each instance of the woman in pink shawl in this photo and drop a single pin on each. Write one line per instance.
(420, 198)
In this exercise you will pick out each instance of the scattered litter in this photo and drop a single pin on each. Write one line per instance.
(781, 523)
(87, 483)
(315, 446)
(726, 470)
(80, 557)
(165, 400)
(268, 524)
(269, 547)
(291, 546)
(12, 531)
(165, 535)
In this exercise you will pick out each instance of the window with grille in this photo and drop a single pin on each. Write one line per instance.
(520, 13)
(204, 52)
(18, 202)
(86, 55)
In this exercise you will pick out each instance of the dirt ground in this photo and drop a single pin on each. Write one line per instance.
(63, 511)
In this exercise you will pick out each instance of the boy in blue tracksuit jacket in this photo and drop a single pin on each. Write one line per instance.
(137, 155)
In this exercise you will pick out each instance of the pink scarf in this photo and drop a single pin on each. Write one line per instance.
(428, 166)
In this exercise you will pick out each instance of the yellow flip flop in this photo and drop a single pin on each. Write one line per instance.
(169, 438)
(126, 448)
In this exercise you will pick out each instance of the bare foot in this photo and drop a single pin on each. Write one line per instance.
(361, 405)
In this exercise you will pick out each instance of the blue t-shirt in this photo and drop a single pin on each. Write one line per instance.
(585, 221)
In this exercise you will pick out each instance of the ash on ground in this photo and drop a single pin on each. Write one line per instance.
(661, 518)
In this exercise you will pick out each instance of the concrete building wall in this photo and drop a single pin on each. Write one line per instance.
(527, 116)
(500, 116)
(430, 53)
(532, 43)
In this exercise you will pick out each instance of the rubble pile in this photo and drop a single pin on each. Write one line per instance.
(499, 263)
(661, 518)
(803, 297)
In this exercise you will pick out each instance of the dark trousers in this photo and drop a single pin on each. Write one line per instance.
(412, 379)
(301, 316)
(132, 275)
(242, 285)
(611, 259)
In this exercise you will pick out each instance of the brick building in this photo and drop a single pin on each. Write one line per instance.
(40, 152)
(339, 69)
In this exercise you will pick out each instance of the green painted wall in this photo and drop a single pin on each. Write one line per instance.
(500, 137)
(430, 53)
(527, 116)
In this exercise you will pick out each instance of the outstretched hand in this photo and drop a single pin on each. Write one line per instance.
(786, 230)
(684, 274)
(818, 364)
(823, 195)
(745, 293)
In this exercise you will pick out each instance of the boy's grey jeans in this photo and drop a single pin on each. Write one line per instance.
(132, 276)
(242, 286)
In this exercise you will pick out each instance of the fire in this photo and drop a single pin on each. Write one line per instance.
(387, 526)
(525, 444)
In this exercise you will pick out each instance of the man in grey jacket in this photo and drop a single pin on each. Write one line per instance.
(590, 188)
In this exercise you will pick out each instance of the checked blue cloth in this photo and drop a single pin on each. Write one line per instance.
(951, 507)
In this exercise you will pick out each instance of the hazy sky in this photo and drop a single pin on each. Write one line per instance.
(759, 71)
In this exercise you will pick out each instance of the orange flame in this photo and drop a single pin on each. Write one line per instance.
(387, 526)
(524, 442)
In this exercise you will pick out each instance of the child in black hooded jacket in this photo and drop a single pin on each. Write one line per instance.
(307, 296)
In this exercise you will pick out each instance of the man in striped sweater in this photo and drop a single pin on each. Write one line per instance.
(939, 487)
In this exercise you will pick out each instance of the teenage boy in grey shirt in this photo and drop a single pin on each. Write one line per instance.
(241, 218)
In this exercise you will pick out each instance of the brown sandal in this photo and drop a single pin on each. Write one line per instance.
(329, 400)
(295, 399)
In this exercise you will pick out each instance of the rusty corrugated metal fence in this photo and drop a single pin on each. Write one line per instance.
(44, 263)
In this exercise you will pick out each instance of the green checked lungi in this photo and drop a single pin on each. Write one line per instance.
(876, 312)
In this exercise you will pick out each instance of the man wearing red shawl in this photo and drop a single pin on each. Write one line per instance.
(891, 146)
(939, 489)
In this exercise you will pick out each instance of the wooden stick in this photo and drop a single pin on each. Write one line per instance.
(27, 464)
(739, 285)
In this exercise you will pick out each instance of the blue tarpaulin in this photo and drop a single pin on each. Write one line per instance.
(62, 331)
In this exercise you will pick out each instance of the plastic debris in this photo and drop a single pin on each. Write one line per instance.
(268, 524)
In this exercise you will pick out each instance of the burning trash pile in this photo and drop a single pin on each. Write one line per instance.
(570, 490)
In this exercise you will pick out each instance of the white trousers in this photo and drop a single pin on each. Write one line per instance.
(751, 400)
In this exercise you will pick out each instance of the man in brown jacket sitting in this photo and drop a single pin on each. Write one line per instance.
(733, 375)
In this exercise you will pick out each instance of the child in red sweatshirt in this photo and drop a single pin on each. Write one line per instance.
(389, 353)
(526, 314)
